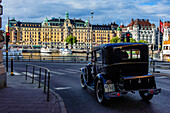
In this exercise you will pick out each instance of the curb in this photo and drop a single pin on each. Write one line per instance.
(61, 102)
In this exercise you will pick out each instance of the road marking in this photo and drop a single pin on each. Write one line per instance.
(72, 70)
(162, 77)
(62, 88)
(29, 74)
(165, 89)
(58, 73)
(16, 73)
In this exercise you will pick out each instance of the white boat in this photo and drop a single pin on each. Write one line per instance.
(65, 51)
(15, 53)
(45, 50)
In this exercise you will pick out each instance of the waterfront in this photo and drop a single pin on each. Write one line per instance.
(55, 54)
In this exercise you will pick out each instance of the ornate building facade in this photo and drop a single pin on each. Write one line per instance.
(54, 31)
(141, 29)
(166, 35)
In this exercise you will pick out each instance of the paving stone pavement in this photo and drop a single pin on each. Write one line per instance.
(22, 96)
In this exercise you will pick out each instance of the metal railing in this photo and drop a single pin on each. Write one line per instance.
(42, 58)
(46, 79)
(159, 66)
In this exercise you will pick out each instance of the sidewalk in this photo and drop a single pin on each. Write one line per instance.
(21, 96)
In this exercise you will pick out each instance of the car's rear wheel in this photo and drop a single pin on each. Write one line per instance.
(83, 85)
(145, 96)
(99, 91)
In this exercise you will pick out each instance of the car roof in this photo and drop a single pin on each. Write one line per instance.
(115, 45)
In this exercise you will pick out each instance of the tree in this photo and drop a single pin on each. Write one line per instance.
(132, 40)
(115, 40)
(142, 41)
(71, 40)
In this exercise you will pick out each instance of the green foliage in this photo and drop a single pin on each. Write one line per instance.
(71, 39)
(115, 40)
(132, 40)
(142, 41)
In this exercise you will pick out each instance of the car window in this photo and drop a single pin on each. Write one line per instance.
(99, 56)
(130, 54)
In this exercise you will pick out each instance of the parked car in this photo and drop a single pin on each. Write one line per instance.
(116, 69)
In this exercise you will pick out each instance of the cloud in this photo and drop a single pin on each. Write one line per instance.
(105, 11)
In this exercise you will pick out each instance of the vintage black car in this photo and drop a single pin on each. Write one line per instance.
(116, 69)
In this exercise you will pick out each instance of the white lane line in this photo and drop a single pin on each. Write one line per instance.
(165, 89)
(72, 70)
(62, 88)
(58, 73)
(16, 73)
(30, 74)
(161, 77)
(67, 71)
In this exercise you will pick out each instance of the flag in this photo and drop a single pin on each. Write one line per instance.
(161, 26)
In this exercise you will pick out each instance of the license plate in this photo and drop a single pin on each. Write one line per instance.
(109, 87)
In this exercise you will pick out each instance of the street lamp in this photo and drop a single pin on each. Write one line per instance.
(91, 29)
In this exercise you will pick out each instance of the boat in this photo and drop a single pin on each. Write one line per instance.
(65, 51)
(13, 52)
(45, 50)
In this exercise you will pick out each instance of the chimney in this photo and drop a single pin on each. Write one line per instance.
(138, 20)
(79, 18)
(113, 22)
(132, 20)
(142, 20)
(147, 20)
(74, 19)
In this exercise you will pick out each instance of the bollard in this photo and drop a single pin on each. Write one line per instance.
(26, 73)
(39, 85)
(48, 90)
(153, 66)
(33, 75)
(12, 73)
(45, 81)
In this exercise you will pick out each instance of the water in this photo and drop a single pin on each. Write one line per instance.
(56, 54)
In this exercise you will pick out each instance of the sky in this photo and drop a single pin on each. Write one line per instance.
(105, 11)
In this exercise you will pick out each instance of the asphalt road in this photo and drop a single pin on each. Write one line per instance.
(65, 80)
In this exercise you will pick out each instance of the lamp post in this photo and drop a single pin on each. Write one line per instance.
(91, 30)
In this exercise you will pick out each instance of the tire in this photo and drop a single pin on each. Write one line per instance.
(83, 85)
(99, 92)
(145, 96)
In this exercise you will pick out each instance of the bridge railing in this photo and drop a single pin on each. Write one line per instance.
(162, 67)
(46, 79)
(43, 58)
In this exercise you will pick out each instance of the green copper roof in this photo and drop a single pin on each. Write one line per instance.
(66, 16)
(86, 23)
(119, 29)
(46, 20)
